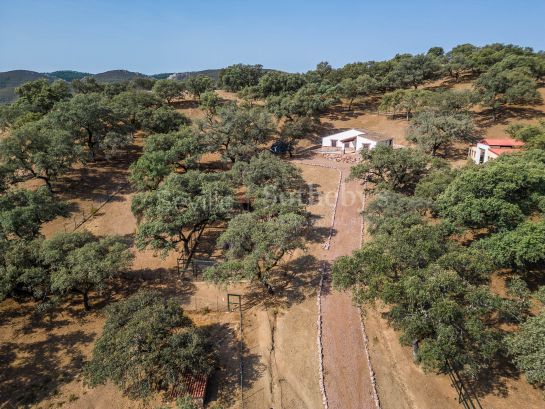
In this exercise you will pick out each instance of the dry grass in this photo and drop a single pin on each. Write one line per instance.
(41, 359)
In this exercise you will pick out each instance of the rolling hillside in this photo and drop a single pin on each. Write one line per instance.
(9, 80)
(117, 76)
(69, 75)
(214, 74)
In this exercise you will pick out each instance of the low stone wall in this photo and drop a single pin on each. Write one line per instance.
(319, 340)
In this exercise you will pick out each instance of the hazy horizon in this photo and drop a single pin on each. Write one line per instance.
(178, 36)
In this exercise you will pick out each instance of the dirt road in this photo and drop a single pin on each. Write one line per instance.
(347, 378)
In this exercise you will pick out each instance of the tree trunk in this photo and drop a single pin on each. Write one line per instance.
(86, 304)
(186, 252)
(91, 145)
(191, 251)
(269, 287)
(48, 184)
(265, 283)
(415, 350)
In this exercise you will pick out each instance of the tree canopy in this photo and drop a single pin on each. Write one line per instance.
(527, 347)
(49, 270)
(237, 133)
(163, 153)
(386, 168)
(267, 177)
(235, 77)
(412, 71)
(433, 131)
(496, 196)
(362, 86)
(80, 262)
(148, 345)
(256, 245)
(41, 95)
(22, 212)
(532, 135)
(309, 101)
(168, 90)
(90, 120)
(179, 210)
(40, 151)
(498, 87)
(198, 85)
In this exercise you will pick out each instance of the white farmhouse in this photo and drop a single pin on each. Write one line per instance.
(354, 140)
(491, 148)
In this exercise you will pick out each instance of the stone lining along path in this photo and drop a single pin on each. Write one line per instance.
(348, 378)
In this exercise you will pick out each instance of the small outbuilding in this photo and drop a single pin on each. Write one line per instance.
(193, 385)
(354, 140)
(491, 148)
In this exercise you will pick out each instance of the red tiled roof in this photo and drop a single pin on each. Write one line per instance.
(192, 385)
(502, 142)
(501, 151)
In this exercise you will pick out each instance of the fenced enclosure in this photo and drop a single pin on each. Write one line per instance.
(194, 269)
(205, 296)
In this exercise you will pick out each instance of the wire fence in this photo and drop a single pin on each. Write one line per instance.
(79, 219)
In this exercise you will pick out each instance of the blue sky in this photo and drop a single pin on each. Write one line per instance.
(179, 35)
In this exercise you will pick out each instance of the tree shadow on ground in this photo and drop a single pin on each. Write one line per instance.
(494, 380)
(98, 181)
(41, 368)
(319, 234)
(306, 153)
(167, 281)
(491, 381)
(207, 243)
(185, 104)
(310, 195)
(485, 119)
(292, 284)
(224, 383)
(341, 113)
(15, 310)
(327, 284)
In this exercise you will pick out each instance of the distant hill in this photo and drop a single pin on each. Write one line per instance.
(162, 75)
(214, 74)
(18, 77)
(69, 75)
(10, 80)
(117, 76)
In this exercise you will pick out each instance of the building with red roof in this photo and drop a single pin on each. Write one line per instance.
(193, 385)
(491, 148)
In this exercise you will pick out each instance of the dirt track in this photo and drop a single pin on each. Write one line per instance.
(347, 379)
